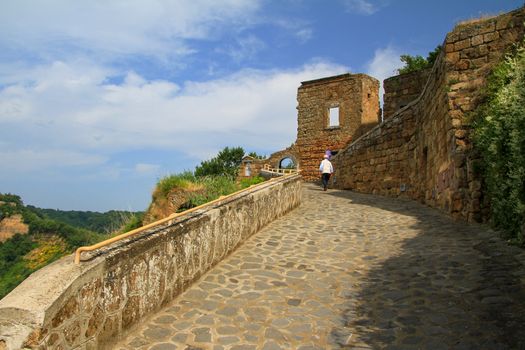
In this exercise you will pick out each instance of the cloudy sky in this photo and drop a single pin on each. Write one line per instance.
(99, 99)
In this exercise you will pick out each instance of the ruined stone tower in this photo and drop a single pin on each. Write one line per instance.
(332, 112)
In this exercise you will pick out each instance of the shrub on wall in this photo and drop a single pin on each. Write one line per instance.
(499, 137)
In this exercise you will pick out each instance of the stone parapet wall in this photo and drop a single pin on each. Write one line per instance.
(423, 151)
(87, 306)
(402, 89)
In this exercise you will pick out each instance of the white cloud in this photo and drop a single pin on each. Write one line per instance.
(26, 159)
(245, 48)
(60, 28)
(384, 64)
(299, 28)
(304, 34)
(71, 106)
(362, 7)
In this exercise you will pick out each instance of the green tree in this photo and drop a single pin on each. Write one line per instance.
(226, 163)
(10, 204)
(257, 156)
(417, 63)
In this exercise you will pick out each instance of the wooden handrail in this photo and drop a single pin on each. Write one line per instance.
(280, 170)
(153, 224)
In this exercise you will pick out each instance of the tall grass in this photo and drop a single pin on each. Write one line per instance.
(182, 180)
(212, 187)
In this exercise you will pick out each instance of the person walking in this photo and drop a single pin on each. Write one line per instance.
(326, 170)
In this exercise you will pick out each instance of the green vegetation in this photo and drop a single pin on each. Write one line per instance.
(132, 222)
(47, 240)
(208, 187)
(10, 204)
(417, 63)
(226, 163)
(245, 183)
(13, 269)
(257, 156)
(107, 222)
(182, 180)
(212, 178)
(499, 137)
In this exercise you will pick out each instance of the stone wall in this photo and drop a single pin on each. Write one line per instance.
(402, 89)
(87, 306)
(356, 96)
(275, 158)
(250, 167)
(423, 150)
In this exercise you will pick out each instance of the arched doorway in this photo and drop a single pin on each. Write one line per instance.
(287, 163)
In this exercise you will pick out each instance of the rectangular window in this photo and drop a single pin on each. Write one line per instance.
(334, 117)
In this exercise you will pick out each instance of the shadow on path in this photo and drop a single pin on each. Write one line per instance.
(452, 285)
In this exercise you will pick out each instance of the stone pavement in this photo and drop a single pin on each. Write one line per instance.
(354, 271)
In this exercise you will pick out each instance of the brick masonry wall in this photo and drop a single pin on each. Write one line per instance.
(402, 89)
(87, 306)
(357, 99)
(423, 151)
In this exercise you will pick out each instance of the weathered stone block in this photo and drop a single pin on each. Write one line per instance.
(131, 311)
(477, 40)
(69, 309)
(89, 295)
(463, 44)
(72, 333)
(110, 328)
(95, 322)
(490, 37)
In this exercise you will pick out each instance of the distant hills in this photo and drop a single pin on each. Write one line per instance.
(31, 237)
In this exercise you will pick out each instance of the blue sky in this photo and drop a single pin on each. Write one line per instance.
(100, 99)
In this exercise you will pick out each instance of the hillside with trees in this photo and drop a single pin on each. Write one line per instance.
(50, 234)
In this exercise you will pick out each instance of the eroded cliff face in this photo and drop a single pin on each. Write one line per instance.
(163, 206)
(12, 225)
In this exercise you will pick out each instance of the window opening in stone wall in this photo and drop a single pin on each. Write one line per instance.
(287, 163)
(248, 169)
(334, 117)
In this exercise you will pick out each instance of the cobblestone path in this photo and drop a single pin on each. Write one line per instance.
(347, 270)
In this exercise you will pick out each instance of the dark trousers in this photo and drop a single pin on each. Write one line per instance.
(325, 178)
